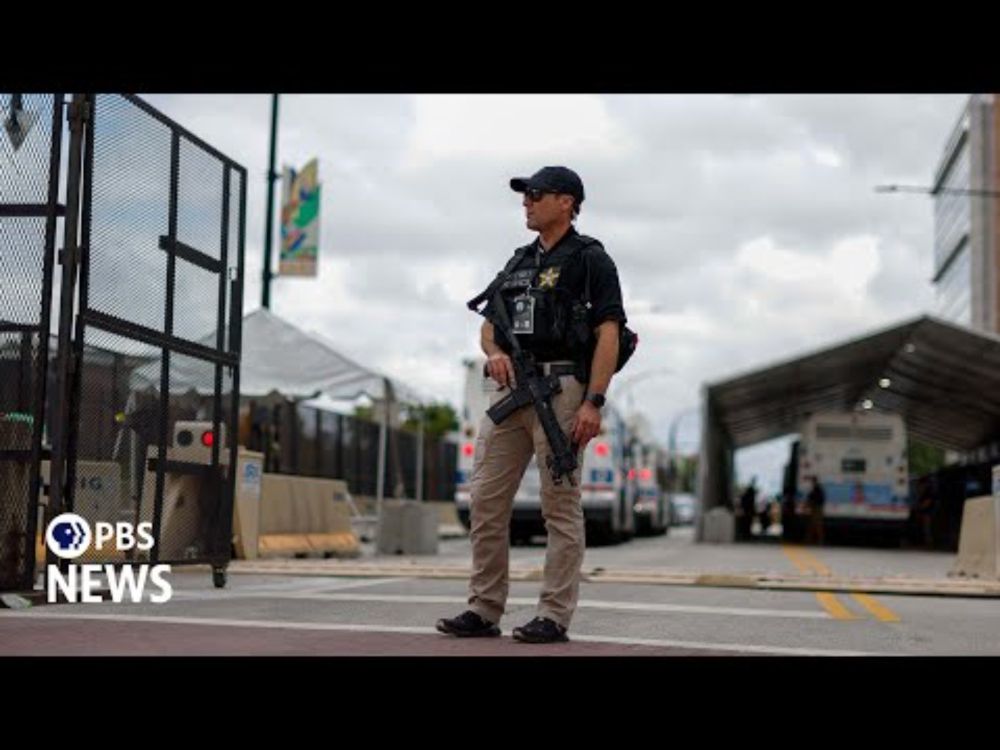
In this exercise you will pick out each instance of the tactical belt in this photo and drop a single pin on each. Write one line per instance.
(558, 368)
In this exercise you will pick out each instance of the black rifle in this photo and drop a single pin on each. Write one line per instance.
(536, 388)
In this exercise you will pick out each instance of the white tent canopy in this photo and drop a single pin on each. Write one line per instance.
(279, 357)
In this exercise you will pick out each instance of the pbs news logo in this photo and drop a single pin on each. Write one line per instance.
(69, 536)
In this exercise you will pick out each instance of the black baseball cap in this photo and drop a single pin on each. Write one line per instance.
(553, 180)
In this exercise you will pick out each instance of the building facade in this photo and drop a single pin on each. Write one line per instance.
(966, 224)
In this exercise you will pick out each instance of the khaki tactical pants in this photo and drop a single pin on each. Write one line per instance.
(502, 455)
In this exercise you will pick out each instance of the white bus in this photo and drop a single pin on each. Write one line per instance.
(609, 514)
(859, 458)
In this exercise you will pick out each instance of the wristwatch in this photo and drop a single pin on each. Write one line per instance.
(597, 399)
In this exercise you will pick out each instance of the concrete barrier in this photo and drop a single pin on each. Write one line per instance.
(408, 527)
(978, 554)
(99, 495)
(719, 526)
(188, 501)
(246, 504)
(305, 515)
(447, 514)
(449, 527)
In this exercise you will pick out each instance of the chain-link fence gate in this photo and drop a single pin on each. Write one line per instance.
(145, 374)
(30, 150)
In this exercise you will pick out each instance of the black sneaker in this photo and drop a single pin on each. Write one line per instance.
(541, 630)
(468, 625)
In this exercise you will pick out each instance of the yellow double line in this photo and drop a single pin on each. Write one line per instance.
(806, 562)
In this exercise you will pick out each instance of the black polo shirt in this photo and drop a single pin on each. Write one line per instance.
(564, 268)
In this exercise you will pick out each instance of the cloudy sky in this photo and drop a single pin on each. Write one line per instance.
(744, 228)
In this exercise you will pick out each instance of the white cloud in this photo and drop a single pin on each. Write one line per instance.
(828, 157)
(519, 130)
(845, 270)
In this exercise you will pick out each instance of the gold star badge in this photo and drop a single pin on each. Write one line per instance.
(547, 278)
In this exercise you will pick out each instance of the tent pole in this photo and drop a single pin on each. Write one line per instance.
(420, 455)
(383, 432)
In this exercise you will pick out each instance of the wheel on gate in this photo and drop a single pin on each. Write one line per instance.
(219, 577)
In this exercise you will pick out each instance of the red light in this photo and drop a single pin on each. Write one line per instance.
(631, 473)
(601, 449)
(468, 449)
(208, 438)
(646, 474)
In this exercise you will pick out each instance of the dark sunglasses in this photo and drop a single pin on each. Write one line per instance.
(534, 195)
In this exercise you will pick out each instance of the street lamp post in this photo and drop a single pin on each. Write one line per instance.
(929, 190)
(672, 443)
(626, 390)
(628, 385)
(934, 192)
(672, 440)
(269, 220)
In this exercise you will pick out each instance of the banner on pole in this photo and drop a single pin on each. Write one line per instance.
(300, 221)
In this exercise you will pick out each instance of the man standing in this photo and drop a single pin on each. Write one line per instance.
(544, 287)
(748, 509)
(815, 501)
